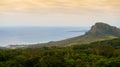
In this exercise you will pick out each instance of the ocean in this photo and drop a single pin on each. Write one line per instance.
(33, 35)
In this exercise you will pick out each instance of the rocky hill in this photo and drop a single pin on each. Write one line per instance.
(98, 32)
(101, 29)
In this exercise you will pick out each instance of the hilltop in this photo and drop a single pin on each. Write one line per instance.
(101, 29)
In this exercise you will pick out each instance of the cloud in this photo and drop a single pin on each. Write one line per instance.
(58, 12)
(74, 5)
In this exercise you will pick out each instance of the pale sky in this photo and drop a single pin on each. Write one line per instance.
(59, 12)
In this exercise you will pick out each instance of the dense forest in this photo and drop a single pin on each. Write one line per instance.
(97, 54)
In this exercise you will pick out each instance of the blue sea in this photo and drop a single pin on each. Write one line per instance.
(32, 35)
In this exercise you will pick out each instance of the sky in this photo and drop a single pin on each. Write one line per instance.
(59, 12)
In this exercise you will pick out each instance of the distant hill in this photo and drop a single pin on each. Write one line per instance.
(101, 29)
(98, 32)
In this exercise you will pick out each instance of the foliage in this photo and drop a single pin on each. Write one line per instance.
(96, 54)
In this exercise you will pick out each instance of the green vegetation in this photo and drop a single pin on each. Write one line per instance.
(96, 54)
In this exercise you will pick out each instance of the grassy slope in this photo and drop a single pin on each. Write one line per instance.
(85, 39)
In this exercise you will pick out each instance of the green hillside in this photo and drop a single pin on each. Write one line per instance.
(98, 32)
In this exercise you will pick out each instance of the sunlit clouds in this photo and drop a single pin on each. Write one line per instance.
(31, 5)
(51, 12)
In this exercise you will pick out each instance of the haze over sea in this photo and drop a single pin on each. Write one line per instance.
(31, 35)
